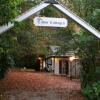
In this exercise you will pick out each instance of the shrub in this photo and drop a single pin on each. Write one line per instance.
(92, 92)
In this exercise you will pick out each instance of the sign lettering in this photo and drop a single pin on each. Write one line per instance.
(50, 22)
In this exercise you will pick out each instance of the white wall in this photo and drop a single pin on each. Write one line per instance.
(74, 67)
(44, 64)
(56, 71)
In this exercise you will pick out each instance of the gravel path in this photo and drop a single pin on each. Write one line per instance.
(22, 85)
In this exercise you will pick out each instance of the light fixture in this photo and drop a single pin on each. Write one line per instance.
(52, 58)
(72, 58)
(39, 58)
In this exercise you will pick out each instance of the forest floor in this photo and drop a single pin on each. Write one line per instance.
(23, 85)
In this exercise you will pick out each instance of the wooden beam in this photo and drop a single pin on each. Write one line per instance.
(24, 16)
(78, 20)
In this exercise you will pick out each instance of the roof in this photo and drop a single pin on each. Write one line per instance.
(54, 52)
(54, 49)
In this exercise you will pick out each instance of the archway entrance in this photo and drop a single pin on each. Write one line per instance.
(57, 5)
(65, 11)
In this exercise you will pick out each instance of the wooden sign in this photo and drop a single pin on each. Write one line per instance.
(50, 22)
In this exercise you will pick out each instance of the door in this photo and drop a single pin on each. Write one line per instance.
(63, 67)
(37, 65)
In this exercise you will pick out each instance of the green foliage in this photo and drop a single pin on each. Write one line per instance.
(27, 61)
(89, 45)
(27, 4)
(87, 48)
(88, 10)
(49, 12)
(9, 10)
(64, 37)
(64, 34)
(95, 18)
(92, 92)
(6, 54)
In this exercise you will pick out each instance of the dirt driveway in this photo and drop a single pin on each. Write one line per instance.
(22, 85)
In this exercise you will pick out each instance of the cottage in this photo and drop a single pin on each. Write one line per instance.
(66, 64)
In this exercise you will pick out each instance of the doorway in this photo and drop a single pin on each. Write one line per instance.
(37, 65)
(63, 67)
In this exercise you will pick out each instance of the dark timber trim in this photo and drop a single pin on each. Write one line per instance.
(51, 1)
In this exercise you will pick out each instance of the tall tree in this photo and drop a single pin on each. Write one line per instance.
(88, 46)
(8, 10)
